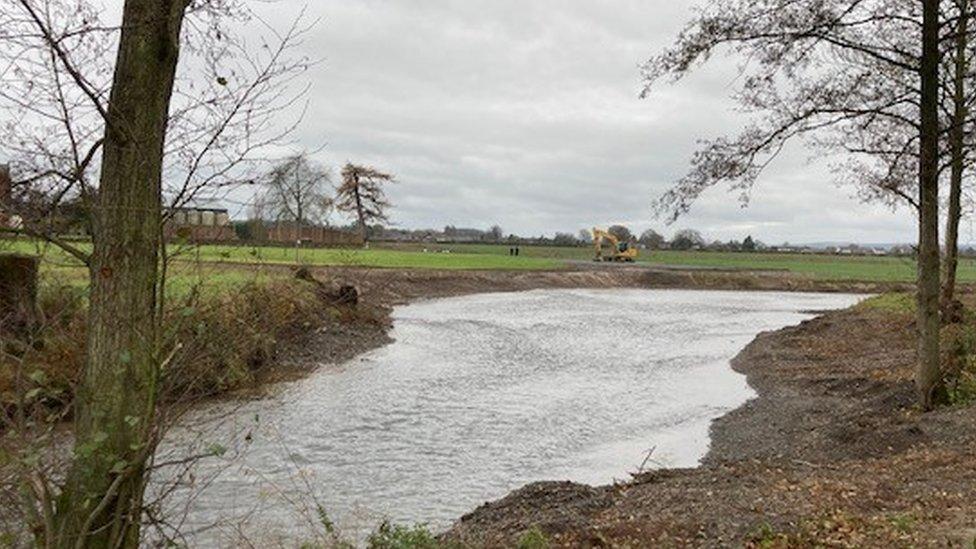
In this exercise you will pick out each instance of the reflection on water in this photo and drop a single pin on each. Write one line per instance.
(477, 396)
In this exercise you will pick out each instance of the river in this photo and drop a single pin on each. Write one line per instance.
(477, 396)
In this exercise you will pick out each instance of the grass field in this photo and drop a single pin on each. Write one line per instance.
(818, 266)
(187, 268)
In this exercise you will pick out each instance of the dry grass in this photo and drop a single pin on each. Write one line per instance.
(215, 341)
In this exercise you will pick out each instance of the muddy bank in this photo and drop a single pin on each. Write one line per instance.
(396, 286)
(831, 453)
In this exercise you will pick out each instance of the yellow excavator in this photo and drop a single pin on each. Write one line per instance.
(616, 251)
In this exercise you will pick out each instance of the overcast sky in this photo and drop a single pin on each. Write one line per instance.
(526, 114)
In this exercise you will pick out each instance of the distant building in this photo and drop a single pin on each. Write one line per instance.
(199, 224)
(291, 233)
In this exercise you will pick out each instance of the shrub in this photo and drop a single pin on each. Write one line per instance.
(391, 536)
(959, 362)
(213, 341)
(893, 302)
(533, 539)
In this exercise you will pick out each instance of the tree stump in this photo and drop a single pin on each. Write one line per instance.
(344, 294)
(18, 292)
(347, 295)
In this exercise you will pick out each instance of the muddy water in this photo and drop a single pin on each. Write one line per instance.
(477, 396)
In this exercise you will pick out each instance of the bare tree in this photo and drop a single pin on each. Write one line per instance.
(886, 153)
(81, 128)
(822, 69)
(957, 148)
(495, 233)
(687, 239)
(565, 239)
(297, 190)
(621, 232)
(652, 239)
(361, 193)
(928, 374)
(116, 402)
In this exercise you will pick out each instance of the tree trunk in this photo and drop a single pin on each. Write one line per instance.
(18, 292)
(359, 211)
(957, 135)
(101, 504)
(5, 185)
(928, 374)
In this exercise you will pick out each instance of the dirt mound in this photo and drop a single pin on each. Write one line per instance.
(553, 506)
(396, 286)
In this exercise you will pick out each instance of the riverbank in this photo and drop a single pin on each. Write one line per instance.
(831, 453)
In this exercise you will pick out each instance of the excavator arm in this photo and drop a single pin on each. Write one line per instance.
(599, 235)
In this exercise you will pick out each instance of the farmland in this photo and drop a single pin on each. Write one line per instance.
(218, 263)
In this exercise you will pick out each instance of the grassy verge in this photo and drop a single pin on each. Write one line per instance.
(958, 342)
(213, 339)
(895, 302)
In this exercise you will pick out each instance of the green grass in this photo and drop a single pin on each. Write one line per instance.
(60, 270)
(496, 257)
(377, 257)
(817, 266)
(895, 302)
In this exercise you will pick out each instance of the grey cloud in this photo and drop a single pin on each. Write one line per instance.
(526, 114)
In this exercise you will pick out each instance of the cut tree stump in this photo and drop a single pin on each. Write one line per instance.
(345, 294)
(18, 292)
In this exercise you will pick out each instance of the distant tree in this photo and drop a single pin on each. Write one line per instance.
(244, 230)
(652, 239)
(749, 245)
(362, 194)
(565, 239)
(585, 236)
(296, 190)
(495, 233)
(621, 232)
(687, 239)
(734, 246)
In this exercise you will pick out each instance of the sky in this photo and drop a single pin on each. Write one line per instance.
(527, 115)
